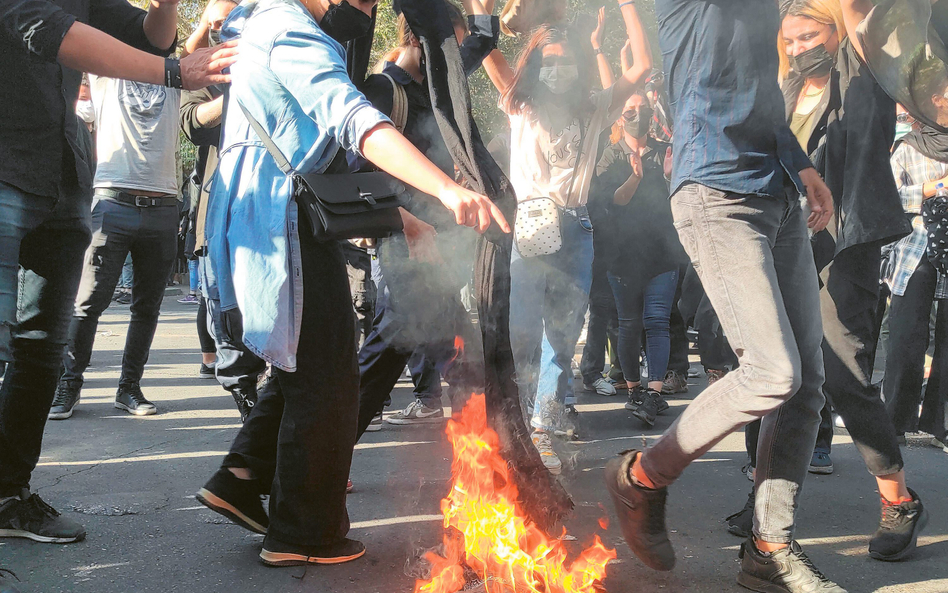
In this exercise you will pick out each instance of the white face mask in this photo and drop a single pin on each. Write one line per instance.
(86, 111)
(559, 79)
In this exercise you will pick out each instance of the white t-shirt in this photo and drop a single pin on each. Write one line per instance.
(542, 160)
(137, 135)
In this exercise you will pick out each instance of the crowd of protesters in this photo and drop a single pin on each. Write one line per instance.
(763, 196)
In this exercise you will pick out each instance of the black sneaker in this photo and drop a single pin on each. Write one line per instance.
(636, 397)
(206, 371)
(276, 553)
(67, 396)
(641, 514)
(29, 517)
(784, 571)
(124, 298)
(6, 584)
(649, 408)
(131, 399)
(898, 530)
(741, 523)
(236, 499)
(245, 402)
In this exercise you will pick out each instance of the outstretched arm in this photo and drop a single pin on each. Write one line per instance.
(854, 12)
(641, 56)
(605, 70)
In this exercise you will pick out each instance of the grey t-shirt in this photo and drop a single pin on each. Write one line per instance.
(137, 135)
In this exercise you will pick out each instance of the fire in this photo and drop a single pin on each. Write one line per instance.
(487, 532)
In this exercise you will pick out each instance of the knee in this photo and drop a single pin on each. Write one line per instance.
(657, 322)
(779, 378)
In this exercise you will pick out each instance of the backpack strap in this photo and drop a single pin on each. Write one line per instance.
(399, 104)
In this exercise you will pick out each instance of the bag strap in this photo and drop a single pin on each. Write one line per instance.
(579, 158)
(267, 141)
(399, 104)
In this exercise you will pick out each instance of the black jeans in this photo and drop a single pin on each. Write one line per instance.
(302, 431)
(905, 364)
(41, 246)
(603, 330)
(204, 329)
(678, 332)
(151, 235)
(850, 328)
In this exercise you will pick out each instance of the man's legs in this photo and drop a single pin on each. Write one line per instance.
(113, 229)
(933, 418)
(41, 247)
(753, 259)
(154, 250)
(602, 312)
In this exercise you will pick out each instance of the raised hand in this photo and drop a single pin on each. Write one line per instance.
(599, 33)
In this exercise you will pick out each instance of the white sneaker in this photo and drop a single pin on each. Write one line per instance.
(544, 445)
(838, 422)
(602, 387)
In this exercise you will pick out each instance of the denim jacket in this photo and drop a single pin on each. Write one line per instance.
(291, 76)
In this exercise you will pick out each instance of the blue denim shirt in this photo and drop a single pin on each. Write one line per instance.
(721, 68)
(292, 78)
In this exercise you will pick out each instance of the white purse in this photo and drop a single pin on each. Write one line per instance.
(537, 229)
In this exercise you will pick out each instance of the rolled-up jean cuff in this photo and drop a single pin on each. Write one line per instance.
(542, 426)
(773, 539)
(893, 469)
(659, 479)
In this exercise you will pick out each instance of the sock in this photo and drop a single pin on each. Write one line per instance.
(638, 476)
(896, 503)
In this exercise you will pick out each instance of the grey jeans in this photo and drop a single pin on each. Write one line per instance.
(753, 257)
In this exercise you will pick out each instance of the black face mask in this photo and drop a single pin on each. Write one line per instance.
(813, 63)
(344, 22)
(214, 37)
(639, 125)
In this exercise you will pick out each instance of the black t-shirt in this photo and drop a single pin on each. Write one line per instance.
(639, 239)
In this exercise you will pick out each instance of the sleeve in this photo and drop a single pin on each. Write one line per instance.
(126, 23)
(194, 131)
(313, 68)
(799, 158)
(484, 33)
(912, 194)
(39, 26)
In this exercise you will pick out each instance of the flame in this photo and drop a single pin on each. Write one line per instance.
(486, 531)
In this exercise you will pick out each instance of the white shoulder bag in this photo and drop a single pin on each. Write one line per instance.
(537, 227)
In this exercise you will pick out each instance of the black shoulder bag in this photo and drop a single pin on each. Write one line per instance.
(341, 206)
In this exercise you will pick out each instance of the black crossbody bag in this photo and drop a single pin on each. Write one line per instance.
(341, 206)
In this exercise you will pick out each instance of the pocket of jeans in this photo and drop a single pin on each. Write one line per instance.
(686, 234)
(585, 223)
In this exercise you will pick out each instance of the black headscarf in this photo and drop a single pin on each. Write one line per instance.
(930, 142)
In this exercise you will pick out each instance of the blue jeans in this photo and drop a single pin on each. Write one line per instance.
(645, 305)
(549, 294)
(193, 277)
(42, 242)
(126, 280)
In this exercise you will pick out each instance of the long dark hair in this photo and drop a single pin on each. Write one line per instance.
(521, 95)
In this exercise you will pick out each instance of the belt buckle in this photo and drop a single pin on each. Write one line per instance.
(144, 201)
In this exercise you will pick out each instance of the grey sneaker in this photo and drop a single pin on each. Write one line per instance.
(67, 396)
(544, 445)
(417, 413)
(29, 517)
(784, 571)
(674, 383)
(602, 387)
(131, 399)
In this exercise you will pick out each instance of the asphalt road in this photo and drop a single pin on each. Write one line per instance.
(131, 482)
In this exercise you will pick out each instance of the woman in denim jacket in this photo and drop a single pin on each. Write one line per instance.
(292, 292)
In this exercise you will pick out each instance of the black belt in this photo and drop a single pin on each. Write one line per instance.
(134, 200)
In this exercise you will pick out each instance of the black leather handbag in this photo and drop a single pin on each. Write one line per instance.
(341, 206)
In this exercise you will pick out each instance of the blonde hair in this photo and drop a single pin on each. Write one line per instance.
(826, 12)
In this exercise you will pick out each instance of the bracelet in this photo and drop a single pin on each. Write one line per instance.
(173, 74)
(627, 3)
(597, 51)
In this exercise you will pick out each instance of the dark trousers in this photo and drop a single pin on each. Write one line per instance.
(302, 431)
(203, 329)
(150, 234)
(602, 334)
(905, 363)
(678, 334)
(41, 246)
(426, 378)
(237, 368)
(849, 332)
(362, 287)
